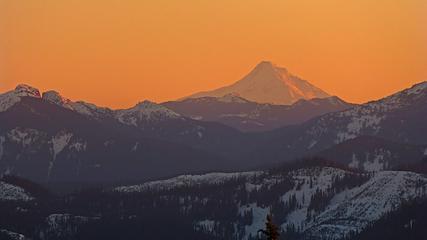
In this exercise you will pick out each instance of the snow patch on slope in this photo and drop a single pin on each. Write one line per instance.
(135, 147)
(7, 100)
(377, 161)
(58, 225)
(258, 220)
(56, 220)
(308, 181)
(205, 225)
(354, 209)
(13, 235)
(357, 124)
(78, 146)
(13, 193)
(375, 165)
(354, 162)
(59, 142)
(24, 136)
(312, 143)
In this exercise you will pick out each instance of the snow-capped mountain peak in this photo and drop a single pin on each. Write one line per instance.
(81, 107)
(10, 98)
(145, 111)
(56, 98)
(269, 83)
(147, 107)
(24, 90)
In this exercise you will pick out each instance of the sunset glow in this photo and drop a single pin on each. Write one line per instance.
(116, 53)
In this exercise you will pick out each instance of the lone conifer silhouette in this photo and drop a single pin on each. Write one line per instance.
(271, 230)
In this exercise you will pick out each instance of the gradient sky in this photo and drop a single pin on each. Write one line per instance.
(118, 52)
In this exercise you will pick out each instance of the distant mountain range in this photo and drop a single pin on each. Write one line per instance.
(268, 83)
(49, 142)
(49, 138)
(213, 165)
(245, 115)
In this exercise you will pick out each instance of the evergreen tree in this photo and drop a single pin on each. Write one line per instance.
(271, 230)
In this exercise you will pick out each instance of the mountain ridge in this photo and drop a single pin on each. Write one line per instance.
(248, 116)
(399, 117)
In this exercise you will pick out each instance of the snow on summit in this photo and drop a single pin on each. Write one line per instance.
(368, 118)
(56, 98)
(81, 107)
(145, 111)
(10, 98)
(23, 90)
(268, 83)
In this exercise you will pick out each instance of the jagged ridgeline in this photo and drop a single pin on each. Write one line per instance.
(52, 140)
(308, 200)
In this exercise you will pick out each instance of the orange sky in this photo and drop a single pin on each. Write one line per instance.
(117, 52)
